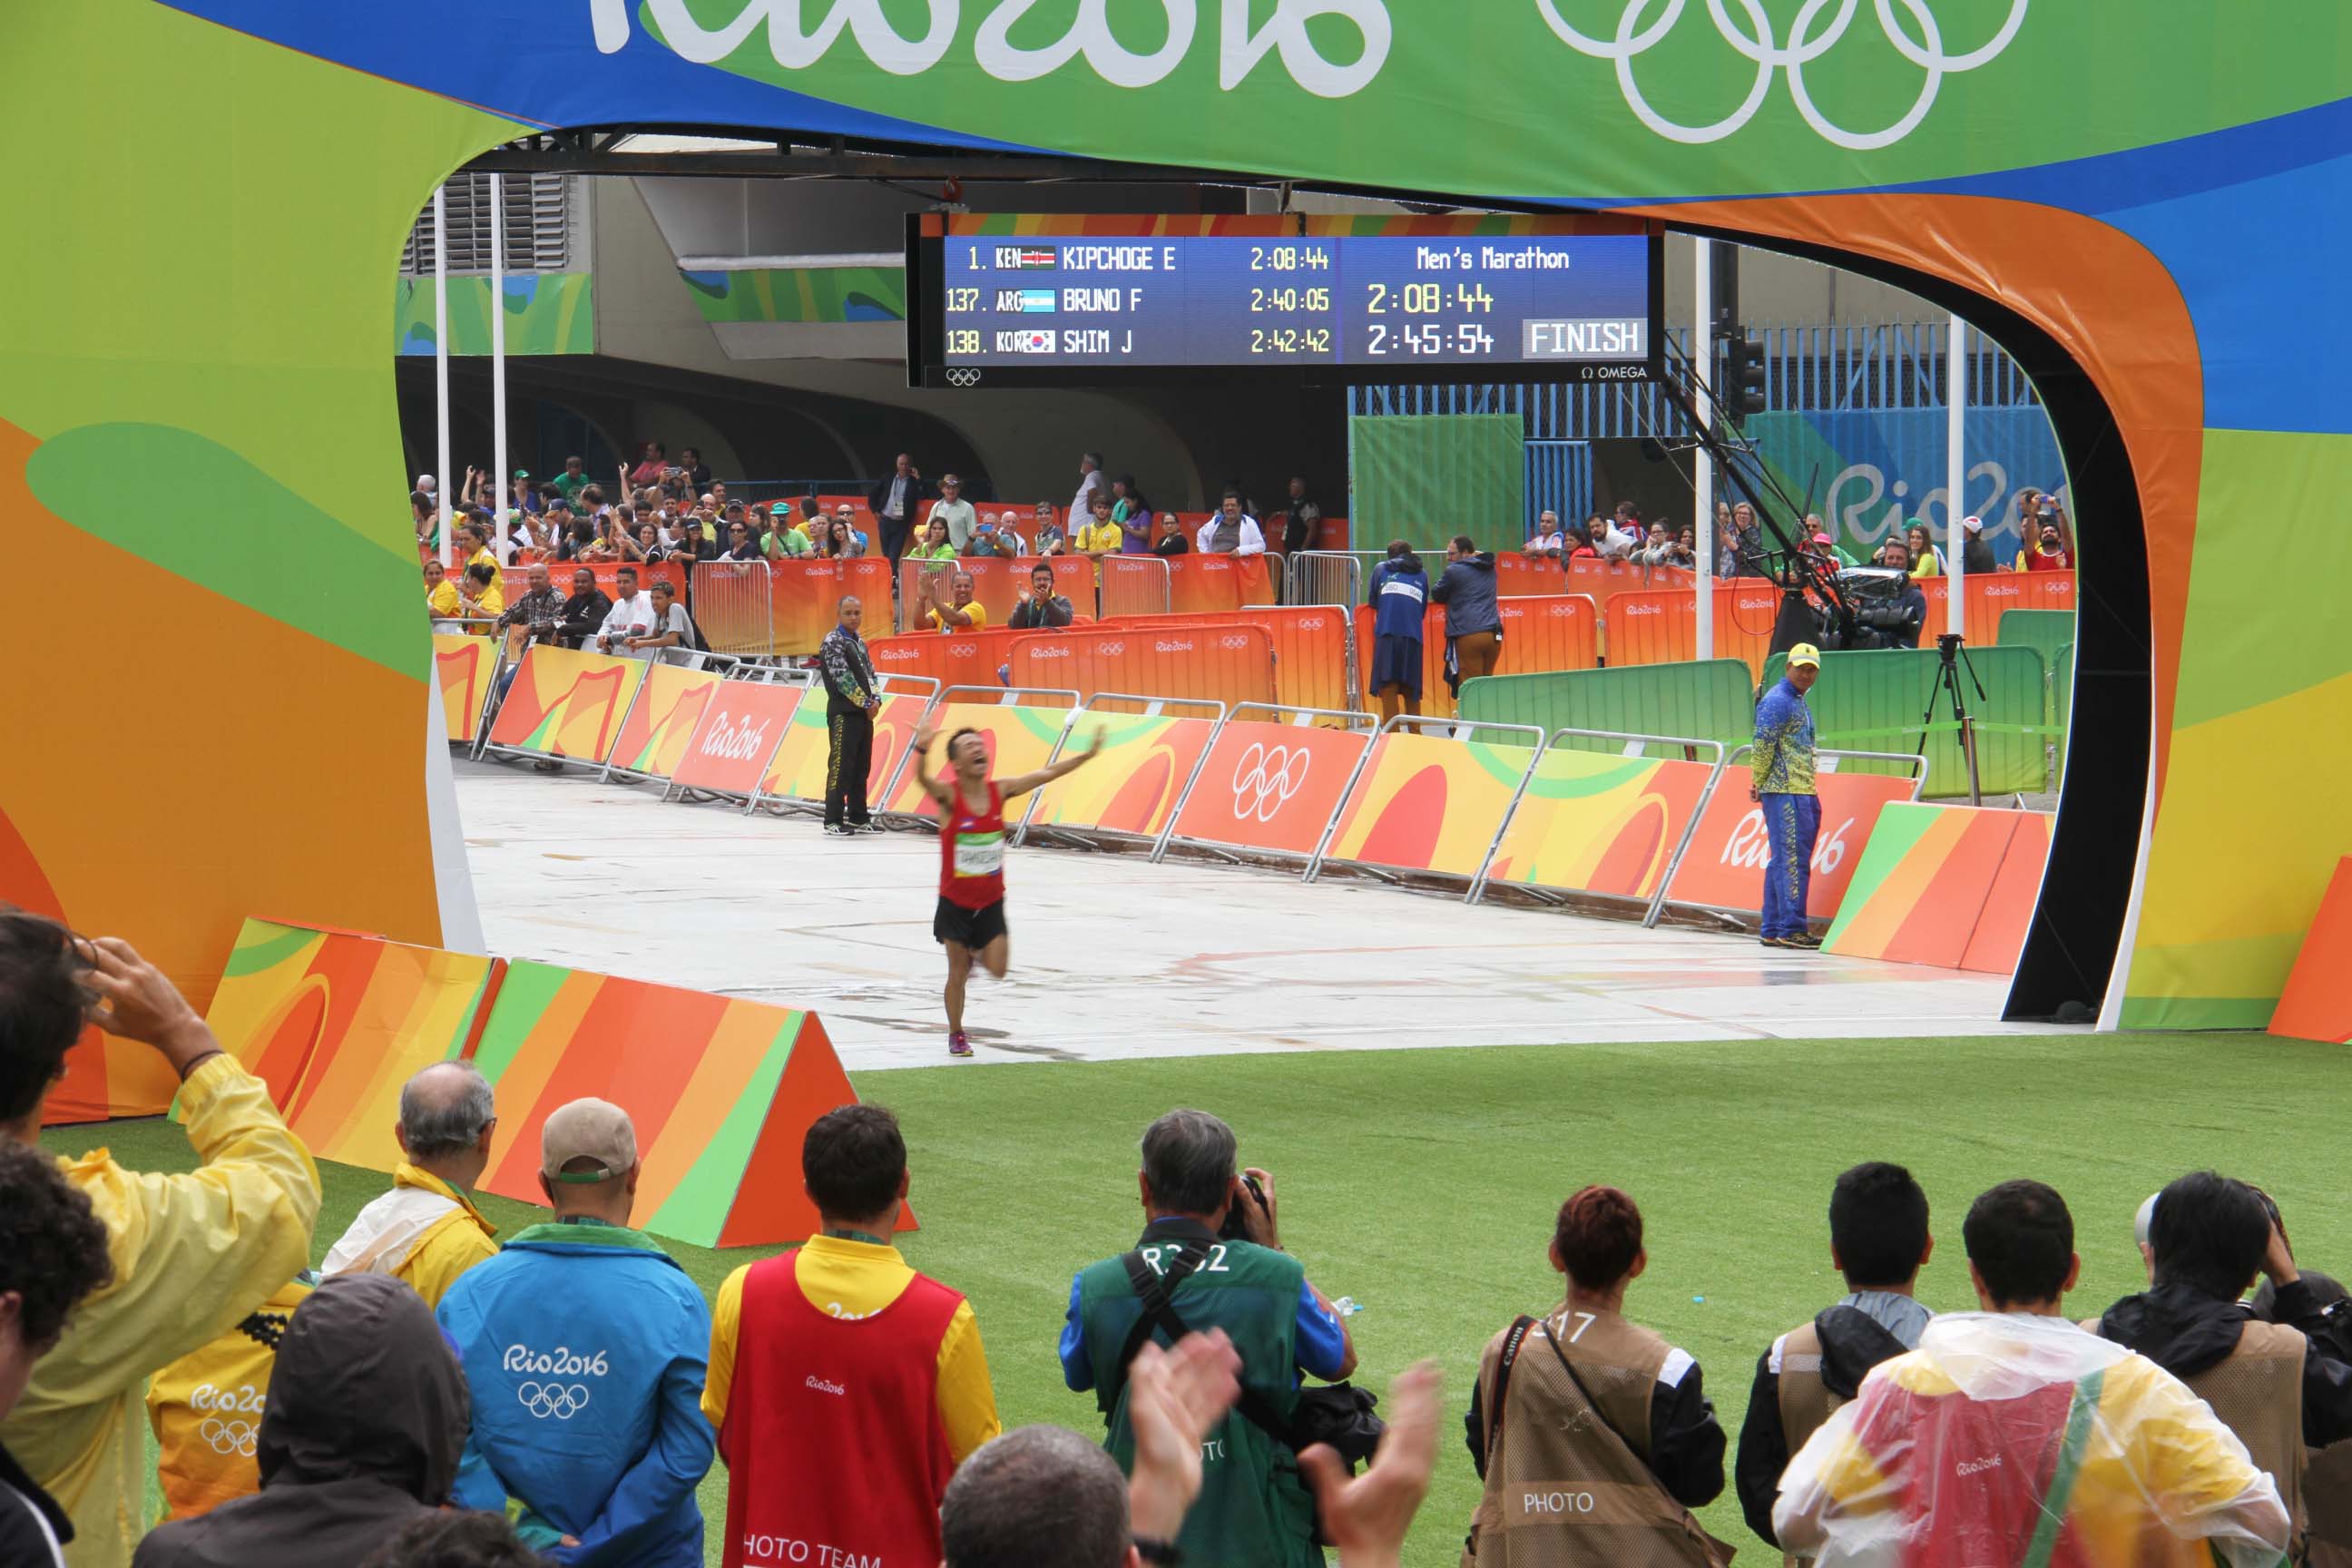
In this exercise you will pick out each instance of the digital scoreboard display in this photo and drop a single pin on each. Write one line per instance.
(999, 300)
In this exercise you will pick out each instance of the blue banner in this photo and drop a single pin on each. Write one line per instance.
(1872, 473)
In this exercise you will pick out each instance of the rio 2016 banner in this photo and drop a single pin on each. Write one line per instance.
(1133, 786)
(797, 770)
(1428, 803)
(669, 706)
(462, 666)
(2112, 226)
(1271, 787)
(566, 703)
(1598, 824)
(1019, 740)
(1724, 868)
(1881, 469)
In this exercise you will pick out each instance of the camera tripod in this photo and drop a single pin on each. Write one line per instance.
(1954, 657)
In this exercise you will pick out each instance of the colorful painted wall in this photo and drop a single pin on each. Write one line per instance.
(2166, 197)
(547, 313)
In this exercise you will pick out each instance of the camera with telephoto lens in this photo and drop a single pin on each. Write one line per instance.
(1236, 1227)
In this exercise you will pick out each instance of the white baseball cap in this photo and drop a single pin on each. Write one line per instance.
(1973, 524)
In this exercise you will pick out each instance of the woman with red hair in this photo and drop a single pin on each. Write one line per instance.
(1593, 1435)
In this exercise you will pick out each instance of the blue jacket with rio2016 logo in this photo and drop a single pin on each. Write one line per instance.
(584, 1346)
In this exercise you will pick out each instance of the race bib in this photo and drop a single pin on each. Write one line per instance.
(979, 854)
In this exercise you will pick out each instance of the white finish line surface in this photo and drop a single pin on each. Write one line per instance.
(1115, 958)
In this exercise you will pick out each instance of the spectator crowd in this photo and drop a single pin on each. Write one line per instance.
(437, 1396)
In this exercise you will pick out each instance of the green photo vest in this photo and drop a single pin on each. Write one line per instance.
(1254, 1511)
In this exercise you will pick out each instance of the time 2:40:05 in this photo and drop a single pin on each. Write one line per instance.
(1288, 299)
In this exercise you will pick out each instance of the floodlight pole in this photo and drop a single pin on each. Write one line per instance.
(1701, 359)
(441, 364)
(503, 484)
(1956, 473)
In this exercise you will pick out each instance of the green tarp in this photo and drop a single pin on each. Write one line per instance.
(1425, 478)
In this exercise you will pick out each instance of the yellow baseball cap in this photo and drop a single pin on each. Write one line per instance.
(1805, 653)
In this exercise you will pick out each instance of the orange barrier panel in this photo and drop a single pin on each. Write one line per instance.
(1999, 936)
(1724, 867)
(1258, 578)
(1926, 883)
(997, 584)
(1136, 585)
(1214, 584)
(804, 598)
(1133, 785)
(1552, 631)
(1520, 576)
(1592, 822)
(462, 667)
(951, 659)
(514, 580)
(1992, 594)
(565, 704)
(1428, 803)
(1019, 740)
(2318, 1002)
(1311, 647)
(1271, 786)
(797, 770)
(669, 704)
(1660, 625)
(1230, 664)
(742, 728)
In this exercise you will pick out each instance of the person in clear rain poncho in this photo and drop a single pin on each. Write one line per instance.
(2012, 1437)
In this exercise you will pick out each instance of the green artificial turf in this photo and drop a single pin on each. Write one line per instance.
(1423, 1182)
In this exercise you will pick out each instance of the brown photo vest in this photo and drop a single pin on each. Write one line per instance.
(1568, 1480)
(1806, 1402)
(2256, 1391)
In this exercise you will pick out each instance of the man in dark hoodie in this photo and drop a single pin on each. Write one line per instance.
(1473, 623)
(367, 1413)
(2279, 1385)
(1879, 1242)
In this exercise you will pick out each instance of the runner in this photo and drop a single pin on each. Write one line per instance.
(971, 918)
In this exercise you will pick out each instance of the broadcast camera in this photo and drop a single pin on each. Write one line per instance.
(1877, 608)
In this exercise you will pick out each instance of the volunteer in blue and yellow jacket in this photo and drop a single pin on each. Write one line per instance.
(1783, 786)
(192, 1254)
(583, 1344)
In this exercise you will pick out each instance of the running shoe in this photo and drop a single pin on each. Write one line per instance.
(839, 830)
(958, 1044)
(1776, 941)
(869, 825)
(1805, 940)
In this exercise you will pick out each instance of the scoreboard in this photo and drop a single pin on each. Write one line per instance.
(998, 301)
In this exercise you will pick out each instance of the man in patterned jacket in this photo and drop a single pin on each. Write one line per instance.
(1783, 786)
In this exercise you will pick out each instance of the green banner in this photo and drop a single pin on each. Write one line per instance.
(547, 313)
(1424, 478)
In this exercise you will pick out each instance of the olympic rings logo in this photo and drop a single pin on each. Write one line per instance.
(228, 1438)
(1758, 46)
(558, 1400)
(960, 375)
(1266, 777)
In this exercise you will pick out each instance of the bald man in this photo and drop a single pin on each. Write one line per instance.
(852, 695)
(427, 1230)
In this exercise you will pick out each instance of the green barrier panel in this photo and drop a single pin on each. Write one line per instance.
(1871, 701)
(1708, 701)
(2061, 700)
(2043, 631)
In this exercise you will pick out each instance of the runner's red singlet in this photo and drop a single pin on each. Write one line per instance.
(972, 850)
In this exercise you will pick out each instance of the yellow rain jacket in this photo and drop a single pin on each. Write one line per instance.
(207, 1408)
(424, 1231)
(193, 1255)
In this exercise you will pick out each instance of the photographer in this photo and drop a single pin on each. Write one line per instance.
(2049, 542)
(1253, 1509)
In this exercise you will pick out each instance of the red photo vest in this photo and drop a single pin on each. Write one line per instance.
(833, 1437)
